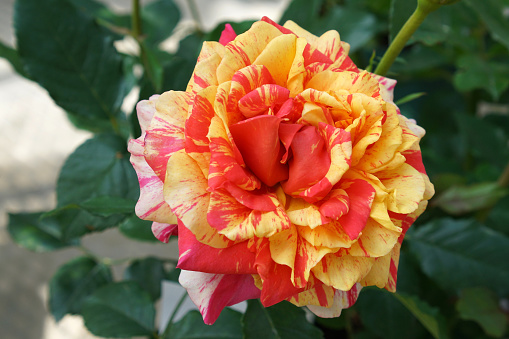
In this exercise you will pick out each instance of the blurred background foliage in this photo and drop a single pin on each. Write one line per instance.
(453, 78)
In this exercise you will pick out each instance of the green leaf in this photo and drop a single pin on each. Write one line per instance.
(191, 326)
(35, 234)
(410, 97)
(280, 321)
(100, 166)
(481, 305)
(148, 273)
(498, 219)
(73, 282)
(475, 72)
(492, 13)
(476, 255)
(458, 200)
(159, 19)
(120, 309)
(303, 12)
(429, 317)
(386, 317)
(355, 26)
(68, 54)
(105, 206)
(12, 56)
(238, 27)
(136, 228)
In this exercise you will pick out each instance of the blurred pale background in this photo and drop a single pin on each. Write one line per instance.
(35, 141)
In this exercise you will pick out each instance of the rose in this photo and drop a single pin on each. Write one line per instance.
(290, 172)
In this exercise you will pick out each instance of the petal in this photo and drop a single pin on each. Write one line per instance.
(386, 88)
(213, 292)
(304, 213)
(350, 81)
(165, 135)
(407, 188)
(209, 54)
(329, 235)
(224, 165)
(163, 232)
(151, 204)
(261, 99)
(278, 57)
(145, 110)
(238, 222)
(319, 295)
(379, 274)
(375, 240)
(342, 272)
(195, 256)
(258, 141)
(185, 190)
(227, 35)
(246, 47)
(342, 300)
(361, 195)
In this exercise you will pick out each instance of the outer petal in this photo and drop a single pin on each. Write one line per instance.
(342, 300)
(151, 204)
(213, 292)
(342, 271)
(227, 35)
(163, 232)
(165, 135)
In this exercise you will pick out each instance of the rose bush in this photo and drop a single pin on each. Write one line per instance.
(287, 172)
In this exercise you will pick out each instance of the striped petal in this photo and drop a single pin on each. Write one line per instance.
(261, 99)
(163, 232)
(375, 240)
(195, 256)
(213, 292)
(185, 190)
(342, 300)
(342, 271)
(278, 57)
(165, 135)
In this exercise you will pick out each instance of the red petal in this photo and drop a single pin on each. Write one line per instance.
(310, 162)
(286, 133)
(260, 99)
(258, 141)
(195, 256)
(361, 196)
(227, 35)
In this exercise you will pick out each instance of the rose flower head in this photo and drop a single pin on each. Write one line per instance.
(287, 172)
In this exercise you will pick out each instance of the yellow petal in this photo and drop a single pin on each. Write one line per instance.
(278, 57)
(303, 213)
(342, 272)
(209, 49)
(379, 274)
(375, 240)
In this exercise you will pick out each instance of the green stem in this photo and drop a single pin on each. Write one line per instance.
(408, 29)
(136, 19)
(503, 180)
(170, 322)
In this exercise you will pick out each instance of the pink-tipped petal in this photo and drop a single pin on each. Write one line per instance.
(213, 292)
(163, 232)
(227, 35)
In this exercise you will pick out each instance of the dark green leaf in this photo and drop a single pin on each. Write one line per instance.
(33, 233)
(281, 321)
(159, 18)
(356, 27)
(498, 219)
(429, 317)
(100, 166)
(73, 282)
(103, 14)
(173, 275)
(68, 54)
(481, 305)
(75, 221)
(410, 97)
(476, 255)
(475, 72)
(492, 13)
(459, 200)
(105, 206)
(386, 317)
(120, 309)
(12, 56)
(148, 273)
(303, 12)
(136, 228)
(227, 326)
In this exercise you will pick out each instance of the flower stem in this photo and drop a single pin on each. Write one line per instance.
(135, 19)
(503, 180)
(408, 29)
